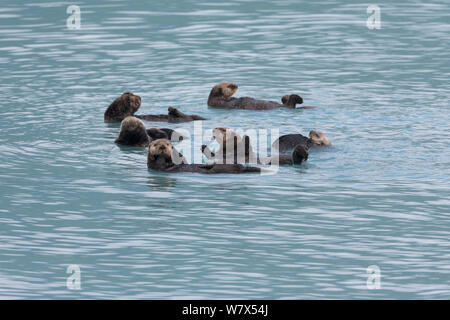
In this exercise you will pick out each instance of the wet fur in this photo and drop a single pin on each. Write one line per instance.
(128, 104)
(221, 97)
(290, 141)
(232, 146)
(173, 115)
(133, 133)
(160, 158)
(125, 105)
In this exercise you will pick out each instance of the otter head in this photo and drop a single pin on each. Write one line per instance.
(160, 154)
(133, 133)
(319, 138)
(222, 91)
(291, 100)
(226, 136)
(126, 105)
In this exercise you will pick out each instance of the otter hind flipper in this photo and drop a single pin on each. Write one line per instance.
(195, 117)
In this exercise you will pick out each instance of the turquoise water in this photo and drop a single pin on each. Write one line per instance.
(378, 196)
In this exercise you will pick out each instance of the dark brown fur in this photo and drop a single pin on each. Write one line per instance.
(221, 97)
(290, 141)
(231, 154)
(133, 133)
(160, 157)
(125, 105)
(174, 115)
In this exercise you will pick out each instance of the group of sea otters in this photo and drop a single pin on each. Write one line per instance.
(163, 156)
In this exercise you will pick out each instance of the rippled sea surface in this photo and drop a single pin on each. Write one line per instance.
(379, 196)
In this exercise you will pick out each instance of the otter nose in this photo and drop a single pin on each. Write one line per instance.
(163, 147)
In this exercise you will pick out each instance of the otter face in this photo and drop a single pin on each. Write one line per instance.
(319, 138)
(133, 133)
(224, 89)
(160, 147)
(160, 154)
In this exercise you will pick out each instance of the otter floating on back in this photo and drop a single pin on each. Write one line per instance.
(128, 103)
(174, 115)
(221, 97)
(161, 155)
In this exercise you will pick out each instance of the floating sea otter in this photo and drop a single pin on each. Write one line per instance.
(128, 103)
(174, 115)
(236, 149)
(134, 133)
(221, 96)
(290, 141)
(161, 156)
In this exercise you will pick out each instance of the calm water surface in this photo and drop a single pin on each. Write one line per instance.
(378, 196)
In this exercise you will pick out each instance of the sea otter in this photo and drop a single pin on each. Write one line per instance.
(234, 149)
(161, 155)
(290, 141)
(174, 115)
(128, 103)
(125, 105)
(221, 96)
(134, 133)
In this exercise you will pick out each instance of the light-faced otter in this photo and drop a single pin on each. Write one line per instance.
(236, 149)
(161, 155)
(128, 103)
(290, 141)
(221, 97)
(133, 133)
